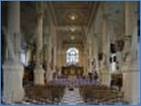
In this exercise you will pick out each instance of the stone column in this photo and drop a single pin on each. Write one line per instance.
(39, 72)
(134, 46)
(49, 68)
(105, 72)
(90, 54)
(130, 68)
(54, 40)
(13, 69)
(87, 57)
(135, 68)
(45, 47)
(95, 53)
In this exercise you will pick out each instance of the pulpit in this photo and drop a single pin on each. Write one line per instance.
(72, 70)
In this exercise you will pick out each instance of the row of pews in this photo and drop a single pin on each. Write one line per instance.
(49, 94)
(100, 95)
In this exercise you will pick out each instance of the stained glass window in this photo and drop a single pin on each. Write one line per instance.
(72, 56)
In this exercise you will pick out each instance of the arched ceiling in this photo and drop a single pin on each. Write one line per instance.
(71, 20)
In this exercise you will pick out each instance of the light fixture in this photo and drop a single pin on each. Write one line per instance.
(72, 37)
(72, 16)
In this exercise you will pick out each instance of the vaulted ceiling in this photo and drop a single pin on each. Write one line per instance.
(72, 13)
(71, 20)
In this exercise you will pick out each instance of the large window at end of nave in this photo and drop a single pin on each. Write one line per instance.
(72, 56)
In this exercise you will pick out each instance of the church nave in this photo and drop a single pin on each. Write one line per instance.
(70, 52)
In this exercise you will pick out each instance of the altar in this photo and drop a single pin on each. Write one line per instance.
(72, 70)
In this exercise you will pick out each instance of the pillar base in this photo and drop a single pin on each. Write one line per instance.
(49, 75)
(39, 75)
(131, 87)
(106, 79)
(13, 82)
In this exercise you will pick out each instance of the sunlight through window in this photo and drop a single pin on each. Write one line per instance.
(72, 56)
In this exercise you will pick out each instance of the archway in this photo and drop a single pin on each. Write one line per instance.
(72, 56)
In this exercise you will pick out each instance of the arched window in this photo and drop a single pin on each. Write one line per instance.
(72, 56)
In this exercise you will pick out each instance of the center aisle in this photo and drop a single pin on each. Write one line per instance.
(72, 97)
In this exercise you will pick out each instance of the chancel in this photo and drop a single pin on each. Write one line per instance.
(70, 52)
